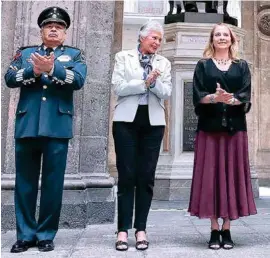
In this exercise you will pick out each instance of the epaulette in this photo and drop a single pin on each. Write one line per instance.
(22, 48)
(71, 47)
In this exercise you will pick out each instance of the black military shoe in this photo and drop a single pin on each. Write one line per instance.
(22, 246)
(45, 245)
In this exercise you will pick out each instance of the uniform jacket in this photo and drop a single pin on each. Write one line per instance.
(45, 106)
(128, 85)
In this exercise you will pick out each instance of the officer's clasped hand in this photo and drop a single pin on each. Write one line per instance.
(42, 64)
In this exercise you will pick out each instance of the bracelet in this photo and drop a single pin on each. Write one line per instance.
(212, 98)
(232, 101)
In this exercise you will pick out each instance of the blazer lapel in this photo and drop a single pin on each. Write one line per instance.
(156, 62)
(134, 63)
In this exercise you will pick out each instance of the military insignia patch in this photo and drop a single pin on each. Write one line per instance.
(17, 55)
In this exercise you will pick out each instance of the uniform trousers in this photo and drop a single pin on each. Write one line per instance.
(28, 155)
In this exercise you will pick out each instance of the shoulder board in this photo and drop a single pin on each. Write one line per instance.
(22, 48)
(71, 47)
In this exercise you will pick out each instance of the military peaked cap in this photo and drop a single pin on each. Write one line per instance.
(53, 14)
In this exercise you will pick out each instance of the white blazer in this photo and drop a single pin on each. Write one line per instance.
(129, 85)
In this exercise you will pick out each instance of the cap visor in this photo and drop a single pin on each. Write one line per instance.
(53, 20)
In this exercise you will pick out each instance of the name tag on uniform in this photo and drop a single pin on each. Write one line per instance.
(64, 58)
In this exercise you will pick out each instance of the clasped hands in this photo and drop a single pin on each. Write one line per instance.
(223, 96)
(151, 78)
(42, 64)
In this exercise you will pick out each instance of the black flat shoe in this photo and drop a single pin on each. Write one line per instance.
(45, 245)
(214, 242)
(121, 245)
(226, 242)
(22, 246)
(141, 245)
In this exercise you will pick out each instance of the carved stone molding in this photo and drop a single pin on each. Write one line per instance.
(263, 22)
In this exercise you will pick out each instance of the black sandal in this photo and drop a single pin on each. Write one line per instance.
(121, 245)
(144, 243)
(227, 242)
(214, 242)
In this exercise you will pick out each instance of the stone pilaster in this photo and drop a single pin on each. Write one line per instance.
(255, 20)
(118, 28)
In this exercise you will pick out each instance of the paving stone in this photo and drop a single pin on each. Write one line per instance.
(172, 233)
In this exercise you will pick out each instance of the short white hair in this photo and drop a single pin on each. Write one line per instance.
(150, 26)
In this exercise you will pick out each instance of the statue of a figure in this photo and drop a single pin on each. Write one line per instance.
(191, 6)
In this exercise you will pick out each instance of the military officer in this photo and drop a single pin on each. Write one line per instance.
(47, 76)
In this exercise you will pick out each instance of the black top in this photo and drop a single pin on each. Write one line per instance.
(220, 117)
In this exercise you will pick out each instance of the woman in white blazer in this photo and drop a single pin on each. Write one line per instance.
(141, 80)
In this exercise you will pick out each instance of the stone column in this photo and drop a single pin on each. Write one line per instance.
(255, 20)
(8, 27)
(88, 191)
(184, 46)
(8, 36)
(118, 31)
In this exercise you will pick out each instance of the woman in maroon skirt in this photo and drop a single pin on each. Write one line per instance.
(221, 184)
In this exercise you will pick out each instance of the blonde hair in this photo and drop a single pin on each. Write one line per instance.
(209, 50)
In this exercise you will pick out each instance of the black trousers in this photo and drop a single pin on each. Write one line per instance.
(28, 153)
(137, 147)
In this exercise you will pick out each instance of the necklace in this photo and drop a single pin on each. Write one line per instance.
(222, 61)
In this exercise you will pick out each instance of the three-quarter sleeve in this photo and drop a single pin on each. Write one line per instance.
(244, 94)
(199, 88)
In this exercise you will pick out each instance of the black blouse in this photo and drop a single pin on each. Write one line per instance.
(220, 117)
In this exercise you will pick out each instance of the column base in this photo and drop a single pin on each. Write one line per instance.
(84, 203)
(173, 181)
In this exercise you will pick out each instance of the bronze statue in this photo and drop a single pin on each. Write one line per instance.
(191, 6)
(178, 7)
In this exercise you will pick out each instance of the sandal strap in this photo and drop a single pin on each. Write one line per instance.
(121, 246)
(121, 243)
(142, 242)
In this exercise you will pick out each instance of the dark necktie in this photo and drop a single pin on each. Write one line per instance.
(48, 51)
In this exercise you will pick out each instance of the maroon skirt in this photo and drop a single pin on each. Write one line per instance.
(221, 184)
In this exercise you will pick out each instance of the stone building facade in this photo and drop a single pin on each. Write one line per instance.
(96, 28)
(89, 195)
